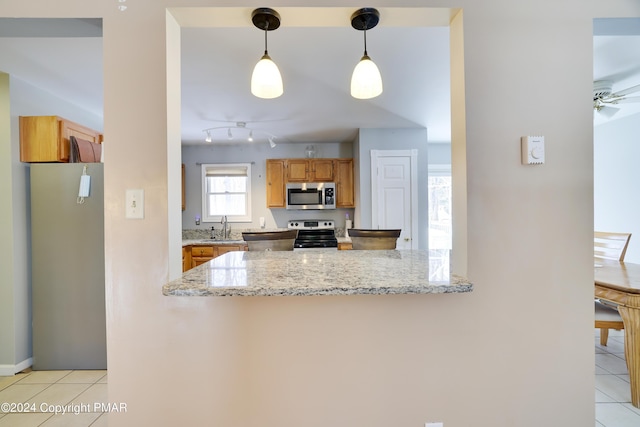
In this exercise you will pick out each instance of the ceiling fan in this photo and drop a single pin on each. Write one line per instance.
(604, 98)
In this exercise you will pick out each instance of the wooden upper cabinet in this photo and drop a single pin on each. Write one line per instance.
(46, 138)
(310, 170)
(276, 183)
(298, 170)
(282, 171)
(321, 170)
(345, 194)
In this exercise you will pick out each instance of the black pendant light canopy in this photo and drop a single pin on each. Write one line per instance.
(265, 19)
(365, 18)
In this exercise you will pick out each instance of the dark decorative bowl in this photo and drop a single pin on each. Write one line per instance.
(270, 240)
(374, 239)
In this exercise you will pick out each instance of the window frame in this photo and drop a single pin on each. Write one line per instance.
(205, 199)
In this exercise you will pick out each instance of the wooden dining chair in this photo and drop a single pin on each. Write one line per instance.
(608, 245)
(612, 246)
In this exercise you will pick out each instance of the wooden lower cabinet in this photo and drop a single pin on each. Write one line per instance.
(199, 254)
(186, 258)
(223, 249)
(345, 246)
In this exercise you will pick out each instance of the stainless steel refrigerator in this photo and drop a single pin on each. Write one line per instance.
(67, 265)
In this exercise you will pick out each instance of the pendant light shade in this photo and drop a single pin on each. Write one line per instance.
(366, 81)
(266, 81)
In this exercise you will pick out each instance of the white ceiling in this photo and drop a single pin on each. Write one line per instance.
(316, 64)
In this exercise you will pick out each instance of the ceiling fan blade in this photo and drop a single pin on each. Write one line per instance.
(607, 111)
(628, 100)
(632, 89)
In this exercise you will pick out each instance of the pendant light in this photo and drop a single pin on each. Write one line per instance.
(366, 81)
(266, 81)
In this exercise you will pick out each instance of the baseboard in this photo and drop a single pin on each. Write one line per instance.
(10, 370)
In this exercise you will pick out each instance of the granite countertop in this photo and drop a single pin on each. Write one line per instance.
(232, 241)
(318, 272)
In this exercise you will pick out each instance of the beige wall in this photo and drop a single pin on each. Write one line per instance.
(489, 358)
(7, 318)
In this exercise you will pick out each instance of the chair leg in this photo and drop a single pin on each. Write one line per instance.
(604, 336)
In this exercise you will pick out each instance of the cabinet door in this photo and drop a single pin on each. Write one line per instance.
(69, 129)
(298, 170)
(196, 261)
(186, 258)
(344, 184)
(223, 249)
(322, 170)
(275, 183)
(201, 254)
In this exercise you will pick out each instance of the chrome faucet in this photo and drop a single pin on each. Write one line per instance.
(225, 230)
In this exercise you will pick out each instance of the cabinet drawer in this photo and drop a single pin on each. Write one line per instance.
(202, 251)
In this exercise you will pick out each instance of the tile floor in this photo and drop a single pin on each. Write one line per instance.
(613, 396)
(613, 407)
(43, 390)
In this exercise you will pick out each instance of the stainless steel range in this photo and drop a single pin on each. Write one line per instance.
(314, 234)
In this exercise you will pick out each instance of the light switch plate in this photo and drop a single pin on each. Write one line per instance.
(134, 204)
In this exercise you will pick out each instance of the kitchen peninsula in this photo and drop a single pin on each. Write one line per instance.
(320, 272)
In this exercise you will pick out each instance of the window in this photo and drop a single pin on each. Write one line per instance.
(226, 190)
(439, 206)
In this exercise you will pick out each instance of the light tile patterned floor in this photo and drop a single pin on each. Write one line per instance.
(45, 391)
(613, 395)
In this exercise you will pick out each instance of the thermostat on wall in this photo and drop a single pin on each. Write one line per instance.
(532, 150)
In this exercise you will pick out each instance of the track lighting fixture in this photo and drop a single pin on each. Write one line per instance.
(242, 130)
(266, 81)
(366, 81)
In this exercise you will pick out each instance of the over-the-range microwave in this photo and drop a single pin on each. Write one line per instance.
(311, 195)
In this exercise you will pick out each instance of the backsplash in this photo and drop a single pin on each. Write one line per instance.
(235, 233)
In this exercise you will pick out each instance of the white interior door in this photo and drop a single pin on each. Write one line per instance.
(394, 194)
